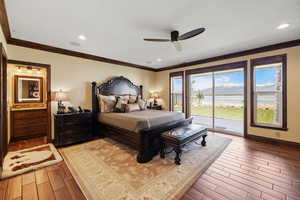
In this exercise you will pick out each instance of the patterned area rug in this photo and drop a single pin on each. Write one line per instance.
(105, 170)
(18, 162)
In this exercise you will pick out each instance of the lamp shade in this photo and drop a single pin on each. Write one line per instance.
(155, 95)
(61, 96)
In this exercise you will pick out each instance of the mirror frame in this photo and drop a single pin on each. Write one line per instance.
(16, 93)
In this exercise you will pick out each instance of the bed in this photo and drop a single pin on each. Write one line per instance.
(140, 130)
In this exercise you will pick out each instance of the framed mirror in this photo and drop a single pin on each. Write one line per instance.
(28, 89)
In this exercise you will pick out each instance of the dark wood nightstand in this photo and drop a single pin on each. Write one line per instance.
(157, 107)
(72, 128)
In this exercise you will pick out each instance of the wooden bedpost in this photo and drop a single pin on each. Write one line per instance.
(95, 109)
(141, 91)
(94, 97)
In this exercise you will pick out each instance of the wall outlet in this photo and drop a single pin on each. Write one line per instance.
(278, 134)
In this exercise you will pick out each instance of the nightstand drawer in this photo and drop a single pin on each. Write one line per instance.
(72, 128)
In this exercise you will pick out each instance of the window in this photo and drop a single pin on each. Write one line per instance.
(268, 89)
(176, 91)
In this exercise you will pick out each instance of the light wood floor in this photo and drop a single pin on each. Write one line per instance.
(246, 170)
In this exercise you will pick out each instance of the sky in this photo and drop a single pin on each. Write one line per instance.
(264, 77)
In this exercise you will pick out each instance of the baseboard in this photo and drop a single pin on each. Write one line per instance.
(272, 140)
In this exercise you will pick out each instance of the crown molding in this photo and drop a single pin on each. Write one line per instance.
(4, 20)
(52, 49)
(272, 47)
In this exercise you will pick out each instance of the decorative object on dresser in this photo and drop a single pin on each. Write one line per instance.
(153, 107)
(72, 128)
(29, 123)
(178, 137)
(60, 96)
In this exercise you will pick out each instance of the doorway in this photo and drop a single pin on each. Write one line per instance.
(3, 105)
(217, 97)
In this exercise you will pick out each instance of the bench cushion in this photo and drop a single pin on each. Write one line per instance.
(184, 134)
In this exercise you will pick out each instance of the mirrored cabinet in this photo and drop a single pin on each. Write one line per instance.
(29, 104)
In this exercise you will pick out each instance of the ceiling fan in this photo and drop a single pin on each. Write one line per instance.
(175, 37)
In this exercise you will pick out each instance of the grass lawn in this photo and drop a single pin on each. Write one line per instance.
(231, 112)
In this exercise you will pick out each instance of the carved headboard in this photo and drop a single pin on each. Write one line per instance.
(115, 86)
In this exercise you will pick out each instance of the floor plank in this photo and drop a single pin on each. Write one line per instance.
(29, 192)
(41, 176)
(45, 191)
(14, 188)
(28, 178)
(63, 194)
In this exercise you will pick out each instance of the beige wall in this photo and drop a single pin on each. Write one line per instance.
(293, 84)
(76, 74)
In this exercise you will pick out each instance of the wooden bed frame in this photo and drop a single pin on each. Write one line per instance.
(147, 142)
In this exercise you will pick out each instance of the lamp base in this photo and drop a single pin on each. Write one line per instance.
(60, 108)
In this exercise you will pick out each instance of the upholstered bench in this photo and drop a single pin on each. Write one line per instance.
(181, 136)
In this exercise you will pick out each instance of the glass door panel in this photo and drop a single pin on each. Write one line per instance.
(229, 101)
(201, 99)
(177, 93)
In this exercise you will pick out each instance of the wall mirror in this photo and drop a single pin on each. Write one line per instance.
(28, 89)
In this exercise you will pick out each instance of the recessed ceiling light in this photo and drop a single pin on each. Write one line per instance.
(158, 59)
(283, 26)
(81, 37)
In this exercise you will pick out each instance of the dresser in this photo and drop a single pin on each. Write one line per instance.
(72, 128)
(29, 123)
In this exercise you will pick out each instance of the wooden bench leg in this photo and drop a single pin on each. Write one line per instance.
(178, 154)
(203, 143)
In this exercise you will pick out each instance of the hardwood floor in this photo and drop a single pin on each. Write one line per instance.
(246, 170)
(52, 182)
(251, 170)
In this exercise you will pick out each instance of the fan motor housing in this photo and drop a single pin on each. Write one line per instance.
(174, 36)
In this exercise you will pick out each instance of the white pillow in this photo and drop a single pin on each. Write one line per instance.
(142, 104)
(107, 103)
(132, 107)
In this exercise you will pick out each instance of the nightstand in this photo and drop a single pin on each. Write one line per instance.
(72, 128)
(157, 107)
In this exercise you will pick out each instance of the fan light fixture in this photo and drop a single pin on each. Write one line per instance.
(283, 26)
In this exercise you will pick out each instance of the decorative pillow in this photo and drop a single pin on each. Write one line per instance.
(132, 107)
(107, 103)
(124, 98)
(132, 99)
(121, 105)
(142, 103)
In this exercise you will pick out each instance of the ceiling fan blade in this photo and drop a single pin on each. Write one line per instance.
(191, 34)
(156, 40)
(177, 46)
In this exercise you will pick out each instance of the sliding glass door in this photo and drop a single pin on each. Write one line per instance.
(229, 100)
(216, 99)
(201, 98)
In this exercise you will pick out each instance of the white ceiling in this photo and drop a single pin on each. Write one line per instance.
(115, 28)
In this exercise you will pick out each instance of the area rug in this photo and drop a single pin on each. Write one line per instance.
(106, 170)
(18, 162)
